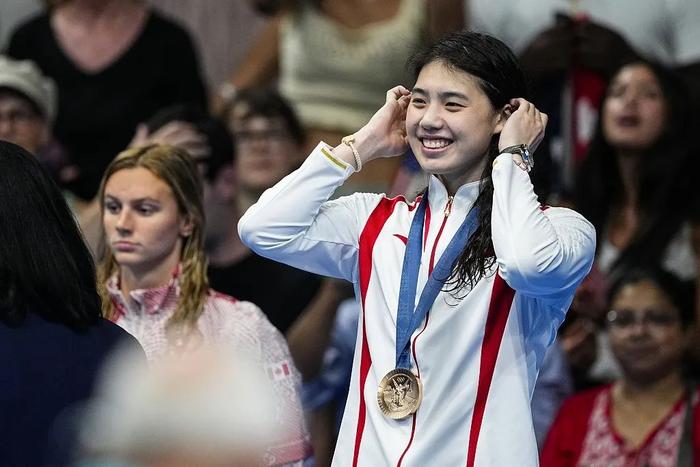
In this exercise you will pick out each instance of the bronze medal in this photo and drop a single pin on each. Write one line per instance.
(399, 394)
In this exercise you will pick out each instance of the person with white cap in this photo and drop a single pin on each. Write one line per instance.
(27, 104)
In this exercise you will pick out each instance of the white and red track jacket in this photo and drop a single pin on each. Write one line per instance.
(477, 355)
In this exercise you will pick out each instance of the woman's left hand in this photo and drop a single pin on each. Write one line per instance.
(525, 125)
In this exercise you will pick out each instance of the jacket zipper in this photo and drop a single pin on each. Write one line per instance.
(447, 211)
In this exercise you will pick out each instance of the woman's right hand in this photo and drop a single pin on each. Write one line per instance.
(384, 135)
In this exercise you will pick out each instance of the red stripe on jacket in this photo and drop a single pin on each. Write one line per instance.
(368, 237)
(499, 309)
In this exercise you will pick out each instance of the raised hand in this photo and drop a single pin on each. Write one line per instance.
(175, 133)
(385, 133)
(525, 125)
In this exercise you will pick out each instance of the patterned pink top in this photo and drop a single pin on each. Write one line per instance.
(583, 435)
(224, 320)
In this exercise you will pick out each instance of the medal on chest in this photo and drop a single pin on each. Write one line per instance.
(400, 392)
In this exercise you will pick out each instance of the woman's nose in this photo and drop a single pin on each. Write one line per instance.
(431, 118)
(124, 221)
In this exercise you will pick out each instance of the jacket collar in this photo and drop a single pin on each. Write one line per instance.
(148, 301)
(464, 198)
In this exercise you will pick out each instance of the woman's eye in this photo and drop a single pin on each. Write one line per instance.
(417, 101)
(453, 105)
(146, 210)
(112, 207)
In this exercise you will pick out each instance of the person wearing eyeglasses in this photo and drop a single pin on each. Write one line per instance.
(648, 416)
(269, 140)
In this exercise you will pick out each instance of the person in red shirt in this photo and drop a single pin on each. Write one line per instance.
(648, 416)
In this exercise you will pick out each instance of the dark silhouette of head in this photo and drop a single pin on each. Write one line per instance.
(45, 266)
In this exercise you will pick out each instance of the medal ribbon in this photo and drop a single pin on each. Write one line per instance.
(408, 319)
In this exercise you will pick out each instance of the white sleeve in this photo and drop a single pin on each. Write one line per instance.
(540, 252)
(294, 223)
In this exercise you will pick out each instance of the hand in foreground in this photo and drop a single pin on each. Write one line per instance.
(385, 133)
(525, 125)
(181, 134)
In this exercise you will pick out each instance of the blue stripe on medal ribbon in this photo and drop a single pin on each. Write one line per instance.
(408, 320)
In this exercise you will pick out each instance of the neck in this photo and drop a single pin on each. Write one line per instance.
(666, 389)
(453, 182)
(148, 277)
(628, 164)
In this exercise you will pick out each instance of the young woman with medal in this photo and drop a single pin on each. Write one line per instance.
(153, 282)
(461, 290)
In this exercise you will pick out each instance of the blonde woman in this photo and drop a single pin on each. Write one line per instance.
(153, 278)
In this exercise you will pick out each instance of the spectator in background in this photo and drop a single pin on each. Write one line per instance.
(115, 63)
(211, 408)
(262, 156)
(579, 335)
(335, 59)
(649, 416)
(53, 340)
(27, 104)
(269, 138)
(153, 278)
(634, 185)
(27, 112)
(571, 48)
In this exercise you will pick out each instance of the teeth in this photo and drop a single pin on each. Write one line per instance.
(435, 143)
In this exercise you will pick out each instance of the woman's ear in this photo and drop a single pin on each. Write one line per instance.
(501, 117)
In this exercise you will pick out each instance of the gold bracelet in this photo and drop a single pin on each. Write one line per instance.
(350, 142)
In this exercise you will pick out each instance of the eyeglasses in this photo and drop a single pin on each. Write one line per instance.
(273, 135)
(625, 319)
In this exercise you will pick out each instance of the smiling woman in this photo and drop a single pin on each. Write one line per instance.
(495, 281)
(649, 415)
(153, 280)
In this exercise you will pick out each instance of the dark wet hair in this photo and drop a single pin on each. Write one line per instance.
(680, 293)
(500, 77)
(45, 267)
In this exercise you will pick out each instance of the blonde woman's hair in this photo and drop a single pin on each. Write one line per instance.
(174, 167)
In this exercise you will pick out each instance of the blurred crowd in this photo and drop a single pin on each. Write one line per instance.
(136, 329)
